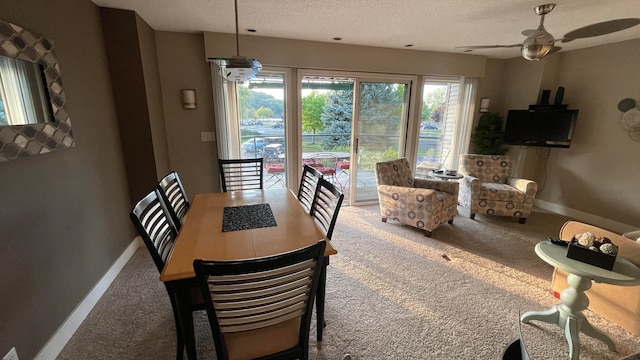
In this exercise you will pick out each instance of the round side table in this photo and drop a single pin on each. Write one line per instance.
(444, 176)
(568, 315)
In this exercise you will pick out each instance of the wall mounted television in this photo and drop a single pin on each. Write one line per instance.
(540, 128)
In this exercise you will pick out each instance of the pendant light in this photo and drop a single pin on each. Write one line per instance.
(238, 68)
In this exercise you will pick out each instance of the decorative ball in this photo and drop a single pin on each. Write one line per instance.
(605, 240)
(585, 239)
(593, 248)
(609, 248)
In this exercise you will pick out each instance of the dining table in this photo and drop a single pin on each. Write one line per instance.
(239, 225)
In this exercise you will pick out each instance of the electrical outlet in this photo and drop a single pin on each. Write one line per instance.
(11, 355)
(208, 136)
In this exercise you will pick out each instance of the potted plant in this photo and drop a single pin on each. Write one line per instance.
(488, 137)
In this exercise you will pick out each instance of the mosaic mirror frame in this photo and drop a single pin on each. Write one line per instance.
(18, 141)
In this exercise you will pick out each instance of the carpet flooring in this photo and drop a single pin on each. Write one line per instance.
(392, 293)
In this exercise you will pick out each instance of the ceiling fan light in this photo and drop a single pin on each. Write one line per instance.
(536, 48)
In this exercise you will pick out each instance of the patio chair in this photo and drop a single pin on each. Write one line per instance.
(276, 173)
(326, 163)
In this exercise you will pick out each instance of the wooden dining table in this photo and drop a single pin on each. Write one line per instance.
(202, 237)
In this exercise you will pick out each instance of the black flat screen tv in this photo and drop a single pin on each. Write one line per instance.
(540, 128)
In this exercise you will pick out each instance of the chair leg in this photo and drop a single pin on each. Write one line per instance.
(176, 318)
(522, 220)
(427, 233)
(179, 338)
(384, 219)
(472, 216)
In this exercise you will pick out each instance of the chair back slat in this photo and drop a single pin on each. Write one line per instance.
(308, 184)
(256, 294)
(254, 289)
(175, 198)
(265, 292)
(326, 206)
(241, 174)
(151, 220)
(264, 320)
(253, 302)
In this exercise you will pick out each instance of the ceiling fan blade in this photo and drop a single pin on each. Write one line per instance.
(487, 46)
(533, 33)
(601, 28)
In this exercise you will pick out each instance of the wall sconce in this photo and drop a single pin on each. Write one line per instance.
(484, 105)
(189, 99)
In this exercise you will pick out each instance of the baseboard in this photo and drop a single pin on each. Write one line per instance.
(56, 343)
(599, 221)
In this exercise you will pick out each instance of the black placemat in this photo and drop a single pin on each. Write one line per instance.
(247, 217)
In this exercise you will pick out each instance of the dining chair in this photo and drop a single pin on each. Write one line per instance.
(308, 184)
(149, 216)
(261, 308)
(326, 206)
(174, 197)
(241, 174)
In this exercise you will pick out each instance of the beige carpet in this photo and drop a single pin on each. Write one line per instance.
(392, 293)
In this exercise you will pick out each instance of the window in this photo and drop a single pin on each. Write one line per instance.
(255, 123)
(444, 123)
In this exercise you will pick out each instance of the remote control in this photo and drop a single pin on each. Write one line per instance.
(559, 242)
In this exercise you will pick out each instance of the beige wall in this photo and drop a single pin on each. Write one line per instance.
(330, 56)
(182, 65)
(597, 176)
(153, 92)
(133, 66)
(64, 215)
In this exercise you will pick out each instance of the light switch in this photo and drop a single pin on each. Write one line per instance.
(208, 136)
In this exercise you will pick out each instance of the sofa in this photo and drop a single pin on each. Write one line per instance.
(618, 304)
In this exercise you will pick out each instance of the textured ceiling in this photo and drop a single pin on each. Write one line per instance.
(426, 24)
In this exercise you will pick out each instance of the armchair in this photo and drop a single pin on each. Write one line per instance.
(421, 203)
(489, 188)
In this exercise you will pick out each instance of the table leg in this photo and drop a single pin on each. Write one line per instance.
(569, 316)
(589, 330)
(320, 296)
(549, 316)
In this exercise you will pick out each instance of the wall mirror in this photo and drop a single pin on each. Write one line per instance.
(33, 115)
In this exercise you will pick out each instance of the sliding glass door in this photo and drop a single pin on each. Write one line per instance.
(379, 131)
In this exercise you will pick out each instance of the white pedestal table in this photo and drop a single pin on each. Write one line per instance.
(568, 315)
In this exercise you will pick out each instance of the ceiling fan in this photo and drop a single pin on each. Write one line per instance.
(540, 43)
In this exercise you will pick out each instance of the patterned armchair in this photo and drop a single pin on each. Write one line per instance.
(488, 188)
(421, 203)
